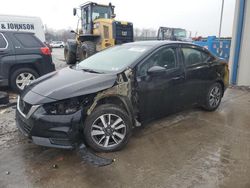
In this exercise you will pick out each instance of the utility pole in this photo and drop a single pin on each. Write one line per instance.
(221, 16)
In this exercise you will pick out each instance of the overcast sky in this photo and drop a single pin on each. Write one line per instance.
(200, 16)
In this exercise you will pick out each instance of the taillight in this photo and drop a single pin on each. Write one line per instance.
(45, 51)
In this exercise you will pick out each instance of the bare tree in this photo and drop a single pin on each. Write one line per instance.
(145, 34)
(58, 35)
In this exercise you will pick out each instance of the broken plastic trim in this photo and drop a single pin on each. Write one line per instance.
(92, 158)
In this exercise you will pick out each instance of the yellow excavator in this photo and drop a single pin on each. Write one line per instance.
(98, 30)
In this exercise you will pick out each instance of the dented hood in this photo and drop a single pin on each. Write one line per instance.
(68, 83)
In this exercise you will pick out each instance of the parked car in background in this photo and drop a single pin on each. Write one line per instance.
(57, 44)
(48, 45)
(100, 99)
(23, 58)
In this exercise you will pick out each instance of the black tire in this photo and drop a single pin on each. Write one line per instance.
(69, 56)
(209, 105)
(18, 72)
(4, 98)
(88, 48)
(95, 116)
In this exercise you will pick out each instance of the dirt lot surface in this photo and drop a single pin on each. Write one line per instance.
(189, 149)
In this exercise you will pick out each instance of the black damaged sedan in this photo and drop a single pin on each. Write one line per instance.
(102, 98)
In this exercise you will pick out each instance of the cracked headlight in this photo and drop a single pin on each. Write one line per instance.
(64, 107)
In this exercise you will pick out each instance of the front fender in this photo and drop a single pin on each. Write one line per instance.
(129, 107)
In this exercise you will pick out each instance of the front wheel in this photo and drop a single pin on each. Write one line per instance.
(107, 128)
(213, 97)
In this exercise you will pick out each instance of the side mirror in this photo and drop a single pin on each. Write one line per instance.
(156, 70)
(74, 11)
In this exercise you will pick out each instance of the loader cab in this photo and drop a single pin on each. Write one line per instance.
(92, 11)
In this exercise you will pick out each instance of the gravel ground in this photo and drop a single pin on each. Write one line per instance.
(189, 149)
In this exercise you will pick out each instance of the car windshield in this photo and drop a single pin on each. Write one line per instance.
(113, 59)
(180, 33)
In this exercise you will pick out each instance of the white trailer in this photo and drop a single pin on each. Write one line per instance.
(23, 23)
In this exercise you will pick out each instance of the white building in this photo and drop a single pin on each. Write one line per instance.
(240, 48)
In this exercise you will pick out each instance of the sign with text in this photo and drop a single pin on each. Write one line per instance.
(17, 26)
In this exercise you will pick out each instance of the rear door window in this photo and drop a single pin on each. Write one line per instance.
(28, 40)
(194, 56)
(3, 42)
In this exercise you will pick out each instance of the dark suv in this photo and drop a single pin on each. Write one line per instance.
(23, 58)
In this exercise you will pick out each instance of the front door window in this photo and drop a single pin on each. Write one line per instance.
(165, 57)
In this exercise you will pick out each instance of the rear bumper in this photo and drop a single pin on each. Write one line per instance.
(45, 68)
(51, 131)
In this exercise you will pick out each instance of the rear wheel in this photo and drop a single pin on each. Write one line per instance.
(69, 56)
(213, 97)
(88, 48)
(21, 77)
(107, 128)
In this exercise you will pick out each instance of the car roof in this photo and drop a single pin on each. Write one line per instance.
(155, 43)
(158, 43)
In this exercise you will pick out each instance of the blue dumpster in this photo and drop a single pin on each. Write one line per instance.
(220, 48)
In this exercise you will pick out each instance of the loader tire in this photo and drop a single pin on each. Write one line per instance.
(69, 56)
(88, 48)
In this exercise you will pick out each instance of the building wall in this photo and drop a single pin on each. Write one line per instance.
(236, 17)
(244, 61)
(243, 72)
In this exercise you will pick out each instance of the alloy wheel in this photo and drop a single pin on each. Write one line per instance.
(108, 130)
(23, 79)
(214, 96)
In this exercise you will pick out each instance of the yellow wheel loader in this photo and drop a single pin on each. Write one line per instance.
(98, 30)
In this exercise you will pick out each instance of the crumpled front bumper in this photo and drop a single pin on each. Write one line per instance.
(59, 131)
